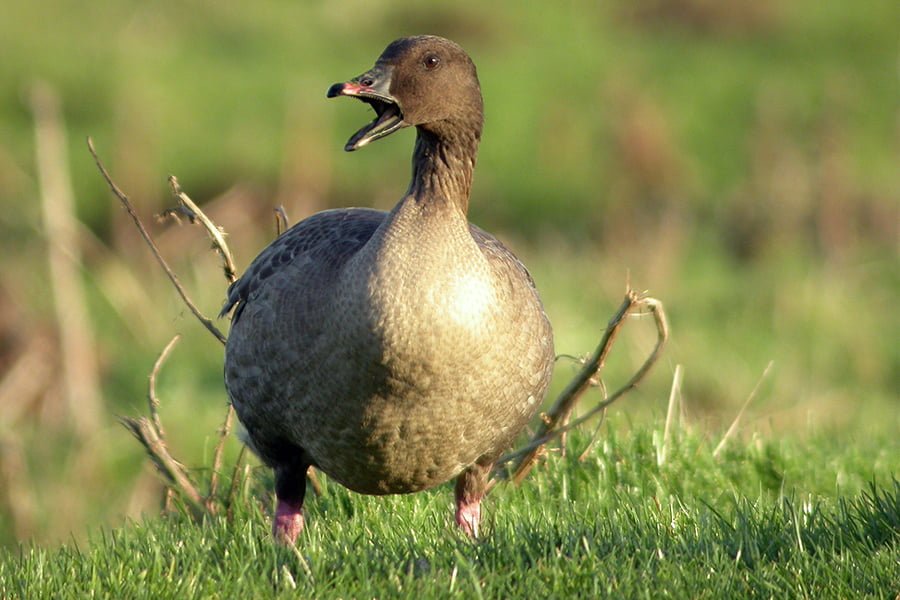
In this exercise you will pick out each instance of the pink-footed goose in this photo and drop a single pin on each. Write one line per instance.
(393, 350)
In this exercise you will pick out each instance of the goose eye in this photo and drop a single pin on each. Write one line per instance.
(431, 61)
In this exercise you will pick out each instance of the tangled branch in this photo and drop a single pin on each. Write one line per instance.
(210, 326)
(555, 422)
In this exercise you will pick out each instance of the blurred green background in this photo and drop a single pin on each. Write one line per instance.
(737, 158)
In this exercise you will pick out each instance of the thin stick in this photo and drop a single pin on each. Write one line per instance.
(581, 382)
(594, 436)
(152, 399)
(215, 233)
(232, 489)
(281, 220)
(217, 237)
(564, 404)
(145, 432)
(734, 424)
(217, 458)
(153, 248)
(314, 481)
(674, 395)
(605, 394)
(149, 433)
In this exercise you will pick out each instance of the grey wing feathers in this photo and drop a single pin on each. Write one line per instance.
(331, 235)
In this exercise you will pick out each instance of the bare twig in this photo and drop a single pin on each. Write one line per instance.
(566, 401)
(152, 399)
(215, 233)
(153, 248)
(314, 481)
(217, 458)
(145, 431)
(734, 424)
(590, 445)
(81, 388)
(149, 433)
(281, 220)
(217, 237)
(235, 476)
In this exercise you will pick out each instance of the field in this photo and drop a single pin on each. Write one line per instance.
(766, 519)
(737, 159)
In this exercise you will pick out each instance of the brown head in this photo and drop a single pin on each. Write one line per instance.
(424, 81)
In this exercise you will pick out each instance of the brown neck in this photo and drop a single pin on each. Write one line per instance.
(443, 163)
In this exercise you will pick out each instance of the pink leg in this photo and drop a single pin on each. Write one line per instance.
(290, 489)
(470, 490)
(288, 522)
(468, 516)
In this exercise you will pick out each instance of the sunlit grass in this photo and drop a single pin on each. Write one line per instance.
(767, 518)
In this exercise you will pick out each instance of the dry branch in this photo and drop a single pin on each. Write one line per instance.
(216, 235)
(149, 433)
(554, 423)
(281, 220)
(232, 490)
(145, 431)
(152, 399)
(195, 215)
(153, 247)
(217, 458)
(594, 436)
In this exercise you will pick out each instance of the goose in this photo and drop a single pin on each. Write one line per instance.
(394, 351)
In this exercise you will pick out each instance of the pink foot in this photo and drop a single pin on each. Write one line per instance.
(288, 522)
(468, 515)
(471, 486)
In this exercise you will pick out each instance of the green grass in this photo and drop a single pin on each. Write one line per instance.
(815, 518)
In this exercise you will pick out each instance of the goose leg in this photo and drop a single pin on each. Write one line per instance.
(471, 486)
(290, 489)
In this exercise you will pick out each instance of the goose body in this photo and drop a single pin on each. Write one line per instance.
(392, 350)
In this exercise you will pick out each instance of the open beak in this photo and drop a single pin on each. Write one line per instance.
(372, 88)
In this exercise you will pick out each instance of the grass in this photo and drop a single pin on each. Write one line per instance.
(769, 518)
